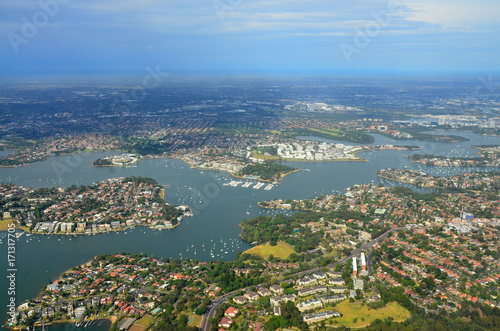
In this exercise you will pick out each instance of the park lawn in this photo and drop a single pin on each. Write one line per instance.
(332, 253)
(331, 132)
(281, 250)
(351, 311)
(328, 130)
(145, 321)
(194, 320)
(4, 225)
(257, 155)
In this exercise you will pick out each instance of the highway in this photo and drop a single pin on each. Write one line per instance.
(205, 322)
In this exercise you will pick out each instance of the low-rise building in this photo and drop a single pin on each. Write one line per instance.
(240, 300)
(264, 292)
(284, 298)
(338, 289)
(252, 296)
(231, 312)
(358, 284)
(276, 289)
(333, 298)
(312, 290)
(309, 305)
(307, 280)
(225, 322)
(336, 281)
(318, 317)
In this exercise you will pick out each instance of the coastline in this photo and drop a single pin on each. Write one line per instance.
(267, 180)
(60, 154)
(65, 321)
(132, 164)
(88, 234)
(447, 165)
(298, 209)
(405, 182)
(192, 166)
(111, 318)
(336, 160)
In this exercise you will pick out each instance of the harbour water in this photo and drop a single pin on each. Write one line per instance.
(213, 231)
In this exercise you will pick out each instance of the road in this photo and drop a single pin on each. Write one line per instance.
(205, 322)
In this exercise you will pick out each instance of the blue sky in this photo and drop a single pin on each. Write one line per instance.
(249, 35)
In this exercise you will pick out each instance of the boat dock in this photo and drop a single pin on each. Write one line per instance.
(269, 187)
(233, 183)
(258, 185)
(236, 183)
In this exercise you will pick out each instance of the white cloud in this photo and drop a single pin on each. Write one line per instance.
(463, 13)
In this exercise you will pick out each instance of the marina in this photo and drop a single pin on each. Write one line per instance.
(259, 185)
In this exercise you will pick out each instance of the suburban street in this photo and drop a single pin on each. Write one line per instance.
(205, 322)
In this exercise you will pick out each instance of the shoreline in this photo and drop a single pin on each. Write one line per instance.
(59, 322)
(88, 234)
(336, 160)
(298, 209)
(422, 161)
(177, 157)
(52, 155)
(236, 176)
(268, 180)
(404, 182)
(66, 321)
(132, 164)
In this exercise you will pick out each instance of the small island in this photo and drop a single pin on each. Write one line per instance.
(268, 172)
(123, 160)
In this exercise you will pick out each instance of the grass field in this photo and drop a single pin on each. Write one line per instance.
(281, 250)
(333, 253)
(259, 156)
(194, 320)
(145, 321)
(4, 225)
(365, 316)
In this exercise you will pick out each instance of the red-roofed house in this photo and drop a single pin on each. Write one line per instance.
(225, 322)
(231, 312)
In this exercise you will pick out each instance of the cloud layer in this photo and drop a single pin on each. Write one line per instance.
(262, 35)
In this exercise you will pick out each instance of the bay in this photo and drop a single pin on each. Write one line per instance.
(218, 209)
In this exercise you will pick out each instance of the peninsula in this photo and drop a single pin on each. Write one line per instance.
(110, 205)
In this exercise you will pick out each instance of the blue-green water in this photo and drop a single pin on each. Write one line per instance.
(5, 153)
(218, 208)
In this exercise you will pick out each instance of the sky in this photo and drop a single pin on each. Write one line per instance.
(88, 36)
